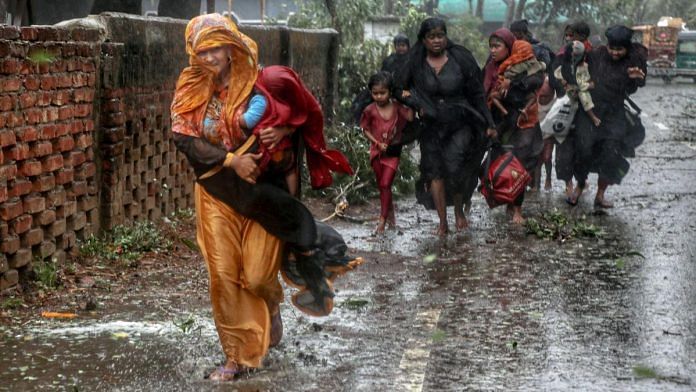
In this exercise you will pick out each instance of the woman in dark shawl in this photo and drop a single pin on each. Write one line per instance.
(517, 119)
(617, 71)
(443, 81)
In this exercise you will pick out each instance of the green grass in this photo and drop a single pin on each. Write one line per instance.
(126, 243)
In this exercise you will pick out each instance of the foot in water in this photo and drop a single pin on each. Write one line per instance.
(225, 373)
(380, 226)
(461, 222)
(574, 197)
(442, 230)
(603, 203)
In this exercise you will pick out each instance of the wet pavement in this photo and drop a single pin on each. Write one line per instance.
(490, 309)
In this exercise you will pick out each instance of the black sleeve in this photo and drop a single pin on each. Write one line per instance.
(201, 154)
(473, 88)
(638, 57)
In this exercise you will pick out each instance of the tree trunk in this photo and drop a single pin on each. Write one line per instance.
(519, 11)
(471, 7)
(210, 6)
(388, 7)
(510, 13)
(431, 6)
(479, 9)
(180, 9)
(331, 9)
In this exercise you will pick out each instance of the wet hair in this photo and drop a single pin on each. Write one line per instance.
(520, 26)
(381, 78)
(581, 28)
(401, 39)
(430, 24)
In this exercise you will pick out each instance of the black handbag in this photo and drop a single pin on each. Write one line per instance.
(635, 131)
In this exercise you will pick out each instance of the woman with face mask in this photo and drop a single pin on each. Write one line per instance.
(617, 70)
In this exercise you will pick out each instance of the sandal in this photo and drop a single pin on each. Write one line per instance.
(224, 374)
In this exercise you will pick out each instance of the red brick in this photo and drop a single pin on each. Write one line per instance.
(83, 110)
(44, 183)
(7, 103)
(29, 168)
(60, 97)
(83, 141)
(63, 143)
(10, 66)
(77, 221)
(72, 65)
(64, 176)
(58, 66)
(43, 98)
(13, 83)
(77, 126)
(29, 33)
(19, 152)
(52, 163)
(2, 157)
(68, 208)
(85, 34)
(4, 195)
(27, 100)
(11, 209)
(44, 67)
(88, 65)
(9, 244)
(4, 48)
(42, 148)
(21, 258)
(75, 158)
(68, 49)
(64, 81)
(66, 112)
(47, 132)
(21, 224)
(46, 249)
(57, 228)
(32, 82)
(114, 119)
(47, 33)
(9, 32)
(89, 125)
(50, 115)
(14, 119)
(45, 217)
(67, 240)
(33, 204)
(7, 137)
(56, 197)
(62, 130)
(8, 172)
(78, 188)
(27, 134)
(27, 67)
(48, 82)
(33, 116)
(85, 171)
(19, 187)
(87, 203)
(32, 237)
(91, 79)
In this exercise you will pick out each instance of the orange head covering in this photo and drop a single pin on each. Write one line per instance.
(195, 86)
(521, 51)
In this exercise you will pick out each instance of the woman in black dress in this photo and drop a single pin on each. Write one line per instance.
(443, 81)
(518, 124)
(617, 71)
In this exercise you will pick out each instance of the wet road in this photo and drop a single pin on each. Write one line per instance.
(490, 309)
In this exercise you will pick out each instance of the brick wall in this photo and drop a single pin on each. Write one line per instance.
(48, 187)
(85, 139)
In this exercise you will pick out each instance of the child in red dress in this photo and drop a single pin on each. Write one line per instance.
(382, 122)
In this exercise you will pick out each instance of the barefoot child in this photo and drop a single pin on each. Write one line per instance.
(382, 121)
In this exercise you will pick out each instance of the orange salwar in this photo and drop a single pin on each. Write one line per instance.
(243, 262)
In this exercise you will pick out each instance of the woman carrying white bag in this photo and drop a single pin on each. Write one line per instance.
(575, 78)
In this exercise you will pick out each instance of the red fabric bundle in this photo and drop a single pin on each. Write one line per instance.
(503, 180)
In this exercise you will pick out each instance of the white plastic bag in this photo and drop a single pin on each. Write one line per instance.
(559, 119)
